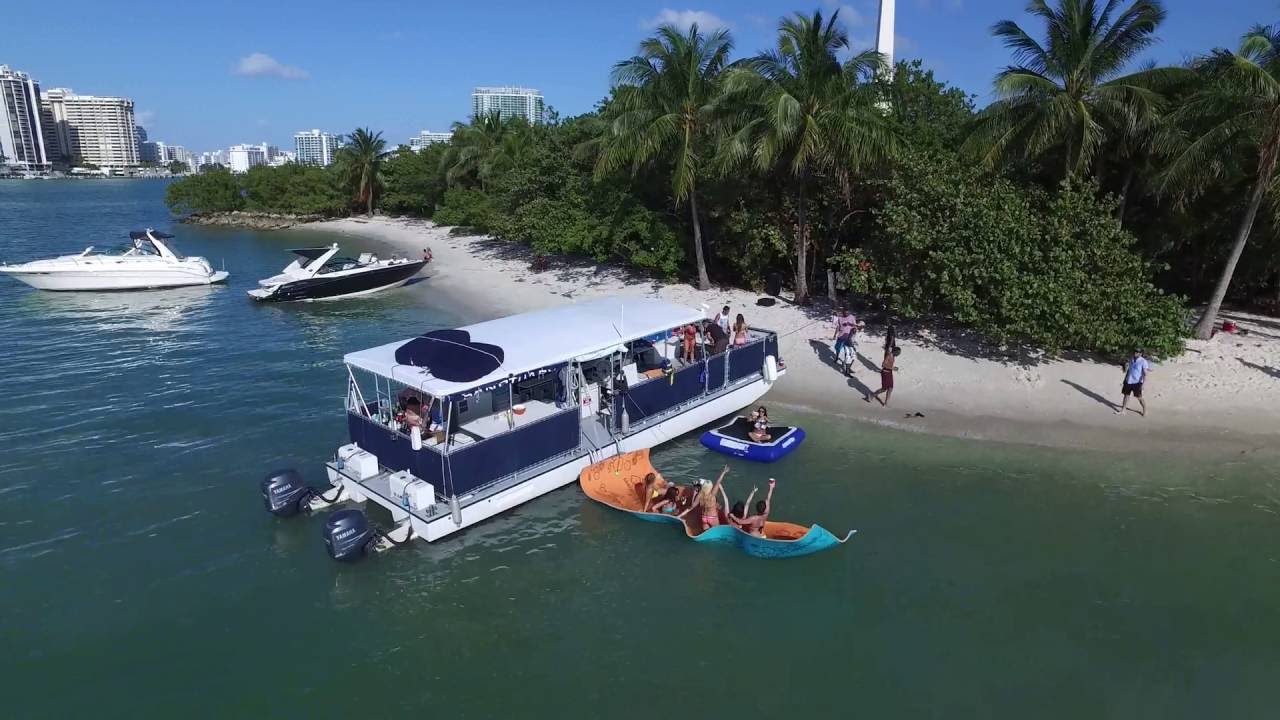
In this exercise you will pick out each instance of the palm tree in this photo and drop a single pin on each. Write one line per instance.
(1237, 112)
(802, 112)
(483, 149)
(1067, 93)
(664, 103)
(362, 159)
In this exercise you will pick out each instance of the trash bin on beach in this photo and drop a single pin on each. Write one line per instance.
(773, 283)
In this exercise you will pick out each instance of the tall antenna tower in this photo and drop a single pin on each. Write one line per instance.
(884, 33)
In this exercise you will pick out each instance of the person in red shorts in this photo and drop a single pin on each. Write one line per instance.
(888, 367)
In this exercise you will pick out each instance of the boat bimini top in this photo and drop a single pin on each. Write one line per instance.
(445, 362)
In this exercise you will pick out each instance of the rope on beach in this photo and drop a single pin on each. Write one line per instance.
(802, 327)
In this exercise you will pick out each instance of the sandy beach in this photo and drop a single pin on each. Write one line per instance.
(1223, 393)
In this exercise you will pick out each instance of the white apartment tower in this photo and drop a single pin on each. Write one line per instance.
(426, 137)
(508, 102)
(22, 143)
(243, 157)
(90, 128)
(312, 147)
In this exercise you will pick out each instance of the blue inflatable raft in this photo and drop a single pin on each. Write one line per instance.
(735, 439)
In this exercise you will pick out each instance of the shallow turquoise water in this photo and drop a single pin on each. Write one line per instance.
(139, 576)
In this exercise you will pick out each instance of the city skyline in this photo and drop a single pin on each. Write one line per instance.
(263, 84)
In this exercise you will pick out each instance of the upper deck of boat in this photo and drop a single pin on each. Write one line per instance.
(531, 341)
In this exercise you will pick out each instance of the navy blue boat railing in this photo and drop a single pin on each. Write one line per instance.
(651, 399)
(468, 467)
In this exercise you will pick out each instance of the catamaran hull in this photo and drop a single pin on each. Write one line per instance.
(434, 528)
(82, 280)
(334, 288)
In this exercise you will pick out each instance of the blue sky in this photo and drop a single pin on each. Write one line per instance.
(206, 75)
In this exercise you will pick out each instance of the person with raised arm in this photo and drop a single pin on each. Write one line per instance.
(753, 524)
(710, 505)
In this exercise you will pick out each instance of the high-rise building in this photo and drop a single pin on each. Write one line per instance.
(217, 157)
(508, 102)
(177, 153)
(426, 137)
(141, 132)
(243, 157)
(150, 151)
(92, 129)
(312, 147)
(22, 143)
(282, 157)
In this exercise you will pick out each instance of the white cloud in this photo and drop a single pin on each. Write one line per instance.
(145, 118)
(849, 15)
(683, 19)
(262, 65)
(948, 5)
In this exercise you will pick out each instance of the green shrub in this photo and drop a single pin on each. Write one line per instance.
(1016, 263)
(213, 191)
(468, 208)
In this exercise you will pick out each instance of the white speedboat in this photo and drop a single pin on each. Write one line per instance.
(147, 263)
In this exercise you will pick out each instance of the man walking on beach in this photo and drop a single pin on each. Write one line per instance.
(1135, 374)
(845, 334)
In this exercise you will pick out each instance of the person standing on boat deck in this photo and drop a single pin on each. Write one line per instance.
(1135, 375)
(740, 334)
(709, 504)
(719, 338)
(888, 367)
(753, 524)
(722, 319)
(689, 334)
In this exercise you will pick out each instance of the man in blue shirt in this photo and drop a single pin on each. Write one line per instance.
(1135, 374)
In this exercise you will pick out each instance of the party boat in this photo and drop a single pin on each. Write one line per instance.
(511, 409)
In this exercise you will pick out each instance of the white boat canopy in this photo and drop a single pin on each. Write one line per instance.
(538, 339)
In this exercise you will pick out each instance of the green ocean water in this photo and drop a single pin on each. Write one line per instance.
(140, 577)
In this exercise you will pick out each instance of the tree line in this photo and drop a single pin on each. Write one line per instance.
(1082, 209)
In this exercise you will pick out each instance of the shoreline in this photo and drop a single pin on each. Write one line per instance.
(1222, 395)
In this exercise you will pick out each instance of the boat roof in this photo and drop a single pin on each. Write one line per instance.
(311, 253)
(538, 339)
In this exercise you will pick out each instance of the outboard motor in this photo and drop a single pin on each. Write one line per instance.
(348, 535)
(284, 493)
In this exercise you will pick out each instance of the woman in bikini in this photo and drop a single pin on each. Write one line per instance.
(668, 503)
(740, 335)
(710, 505)
(753, 524)
(654, 489)
(760, 425)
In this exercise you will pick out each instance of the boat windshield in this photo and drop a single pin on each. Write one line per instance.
(339, 264)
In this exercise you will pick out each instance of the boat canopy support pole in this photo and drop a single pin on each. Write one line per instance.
(355, 386)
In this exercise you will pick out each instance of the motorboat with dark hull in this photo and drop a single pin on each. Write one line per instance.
(147, 262)
(317, 274)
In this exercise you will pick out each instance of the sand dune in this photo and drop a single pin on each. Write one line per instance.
(1222, 393)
